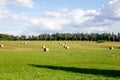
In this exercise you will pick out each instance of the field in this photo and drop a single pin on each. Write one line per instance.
(83, 61)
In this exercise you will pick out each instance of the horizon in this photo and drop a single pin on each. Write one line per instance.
(34, 17)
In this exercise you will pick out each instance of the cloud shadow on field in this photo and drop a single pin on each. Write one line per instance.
(108, 73)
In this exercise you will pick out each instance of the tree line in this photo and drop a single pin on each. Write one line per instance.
(65, 36)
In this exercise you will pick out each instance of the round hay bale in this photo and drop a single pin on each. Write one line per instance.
(63, 44)
(1, 45)
(46, 49)
(43, 47)
(59, 43)
(66, 47)
(119, 47)
(111, 48)
(24, 42)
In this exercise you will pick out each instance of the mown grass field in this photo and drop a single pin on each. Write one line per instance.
(83, 61)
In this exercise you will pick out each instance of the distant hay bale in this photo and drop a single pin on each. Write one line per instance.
(111, 48)
(119, 47)
(100, 41)
(24, 42)
(60, 43)
(63, 44)
(46, 49)
(72, 42)
(66, 47)
(43, 47)
(1, 45)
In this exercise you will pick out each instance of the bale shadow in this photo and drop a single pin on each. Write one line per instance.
(108, 73)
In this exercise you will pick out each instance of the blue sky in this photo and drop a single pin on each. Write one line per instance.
(32, 17)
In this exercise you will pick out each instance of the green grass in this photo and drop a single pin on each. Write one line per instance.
(83, 61)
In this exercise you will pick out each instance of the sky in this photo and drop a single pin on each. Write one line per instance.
(34, 17)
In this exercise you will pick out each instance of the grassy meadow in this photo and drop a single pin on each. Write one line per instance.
(83, 61)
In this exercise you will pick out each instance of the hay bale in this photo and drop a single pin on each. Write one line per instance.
(46, 49)
(119, 47)
(24, 42)
(59, 43)
(111, 48)
(66, 47)
(1, 45)
(43, 47)
(63, 44)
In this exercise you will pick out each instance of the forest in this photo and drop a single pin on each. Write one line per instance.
(64, 36)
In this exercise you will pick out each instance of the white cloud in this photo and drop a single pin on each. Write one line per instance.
(112, 9)
(49, 23)
(79, 17)
(2, 3)
(24, 3)
(17, 32)
(113, 1)
(106, 19)
(53, 14)
(97, 29)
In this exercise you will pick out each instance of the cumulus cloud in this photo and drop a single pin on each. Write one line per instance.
(11, 32)
(112, 9)
(12, 23)
(105, 19)
(113, 1)
(109, 17)
(63, 20)
(24, 3)
(49, 23)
